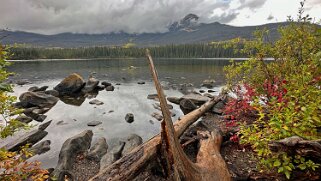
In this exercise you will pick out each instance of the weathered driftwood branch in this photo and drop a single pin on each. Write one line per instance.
(209, 164)
(297, 145)
(127, 167)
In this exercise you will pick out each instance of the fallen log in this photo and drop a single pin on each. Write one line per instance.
(127, 167)
(210, 163)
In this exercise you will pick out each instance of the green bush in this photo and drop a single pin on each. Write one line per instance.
(285, 93)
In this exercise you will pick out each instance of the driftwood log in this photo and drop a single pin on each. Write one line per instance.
(210, 165)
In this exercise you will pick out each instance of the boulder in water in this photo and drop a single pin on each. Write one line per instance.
(91, 85)
(129, 117)
(70, 85)
(37, 99)
(110, 88)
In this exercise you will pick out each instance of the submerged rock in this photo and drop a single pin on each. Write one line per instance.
(41, 147)
(96, 102)
(73, 100)
(152, 97)
(69, 150)
(94, 123)
(157, 116)
(70, 85)
(61, 123)
(129, 117)
(110, 88)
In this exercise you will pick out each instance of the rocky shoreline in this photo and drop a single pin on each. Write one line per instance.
(77, 153)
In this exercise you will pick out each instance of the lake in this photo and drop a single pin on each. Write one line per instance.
(128, 97)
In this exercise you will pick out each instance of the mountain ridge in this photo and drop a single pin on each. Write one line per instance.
(186, 31)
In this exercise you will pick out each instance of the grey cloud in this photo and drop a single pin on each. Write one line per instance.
(226, 17)
(101, 16)
(251, 4)
(104, 16)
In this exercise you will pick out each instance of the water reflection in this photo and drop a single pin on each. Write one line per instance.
(128, 96)
(194, 70)
(74, 101)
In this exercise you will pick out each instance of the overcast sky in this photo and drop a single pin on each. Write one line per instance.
(138, 16)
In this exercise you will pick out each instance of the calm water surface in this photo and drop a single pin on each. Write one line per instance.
(129, 97)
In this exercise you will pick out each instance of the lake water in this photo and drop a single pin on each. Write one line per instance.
(128, 97)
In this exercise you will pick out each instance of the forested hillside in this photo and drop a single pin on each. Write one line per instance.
(208, 50)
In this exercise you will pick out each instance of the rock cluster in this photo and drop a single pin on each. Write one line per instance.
(101, 152)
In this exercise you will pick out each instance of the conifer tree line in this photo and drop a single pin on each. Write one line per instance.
(205, 50)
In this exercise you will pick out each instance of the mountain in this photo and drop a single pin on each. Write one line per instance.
(189, 23)
(186, 31)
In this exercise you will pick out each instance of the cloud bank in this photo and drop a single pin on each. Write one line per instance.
(104, 16)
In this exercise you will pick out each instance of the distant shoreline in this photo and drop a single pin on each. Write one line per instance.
(76, 59)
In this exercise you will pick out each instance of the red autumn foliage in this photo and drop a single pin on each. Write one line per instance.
(240, 108)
